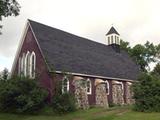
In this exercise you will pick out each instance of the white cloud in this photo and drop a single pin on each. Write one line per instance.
(136, 20)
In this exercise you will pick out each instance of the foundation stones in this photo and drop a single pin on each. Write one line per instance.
(81, 93)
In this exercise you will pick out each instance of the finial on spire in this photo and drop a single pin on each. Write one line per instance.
(113, 37)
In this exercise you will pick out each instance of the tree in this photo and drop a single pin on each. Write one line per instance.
(9, 8)
(4, 74)
(125, 46)
(147, 93)
(22, 95)
(143, 55)
(158, 51)
(156, 69)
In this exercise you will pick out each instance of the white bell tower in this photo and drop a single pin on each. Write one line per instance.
(113, 37)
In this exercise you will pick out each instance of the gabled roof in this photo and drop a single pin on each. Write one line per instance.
(112, 31)
(71, 53)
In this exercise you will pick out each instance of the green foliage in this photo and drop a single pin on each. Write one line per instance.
(125, 46)
(21, 95)
(118, 113)
(4, 75)
(156, 69)
(158, 51)
(142, 54)
(63, 103)
(111, 104)
(8, 8)
(147, 93)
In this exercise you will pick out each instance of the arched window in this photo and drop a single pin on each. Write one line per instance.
(89, 86)
(19, 66)
(23, 64)
(27, 64)
(32, 65)
(65, 85)
(107, 87)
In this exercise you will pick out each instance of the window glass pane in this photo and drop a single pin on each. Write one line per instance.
(19, 66)
(65, 85)
(88, 86)
(106, 85)
(28, 65)
(23, 64)
(32, 66)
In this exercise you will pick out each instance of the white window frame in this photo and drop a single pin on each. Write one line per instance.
(32, 65)
(19, 66)
(108, 87)
(90, 89)
(25, 66)
(65, 78)
(121, 83)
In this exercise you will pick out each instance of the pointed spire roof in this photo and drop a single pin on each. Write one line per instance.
(112, 30)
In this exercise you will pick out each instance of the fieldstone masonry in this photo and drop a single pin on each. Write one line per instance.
(117, 93)
(81, 93)
(129, 94)
(101, 96)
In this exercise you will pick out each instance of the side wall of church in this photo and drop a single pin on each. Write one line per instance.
(41, 70)
(119, 92)
(99, 96)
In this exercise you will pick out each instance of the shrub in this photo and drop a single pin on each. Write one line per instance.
(63, 103)
(111, 104)
(4, 74)
(21, 95)
(147, 93)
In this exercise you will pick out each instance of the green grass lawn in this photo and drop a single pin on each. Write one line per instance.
(123, 113)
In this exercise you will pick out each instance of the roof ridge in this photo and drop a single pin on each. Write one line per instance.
(76, 54)
(66, 32)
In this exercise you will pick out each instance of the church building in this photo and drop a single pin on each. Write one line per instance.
(97, 74)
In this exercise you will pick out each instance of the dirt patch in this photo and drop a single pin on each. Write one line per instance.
(122, 112)
(105, 112)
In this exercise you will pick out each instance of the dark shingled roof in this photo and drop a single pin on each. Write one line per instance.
(112, 30)
(70, 53)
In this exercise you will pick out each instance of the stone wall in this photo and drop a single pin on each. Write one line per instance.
(129, 93)
(81, 93)
(101, 96)
(117, 93)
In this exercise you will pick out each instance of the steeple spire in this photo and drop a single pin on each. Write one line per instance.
(113, 37)
(112, 31)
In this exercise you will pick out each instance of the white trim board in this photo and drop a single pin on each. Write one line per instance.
(96, 76)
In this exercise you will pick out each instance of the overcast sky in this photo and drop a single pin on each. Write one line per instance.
(136, 20)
